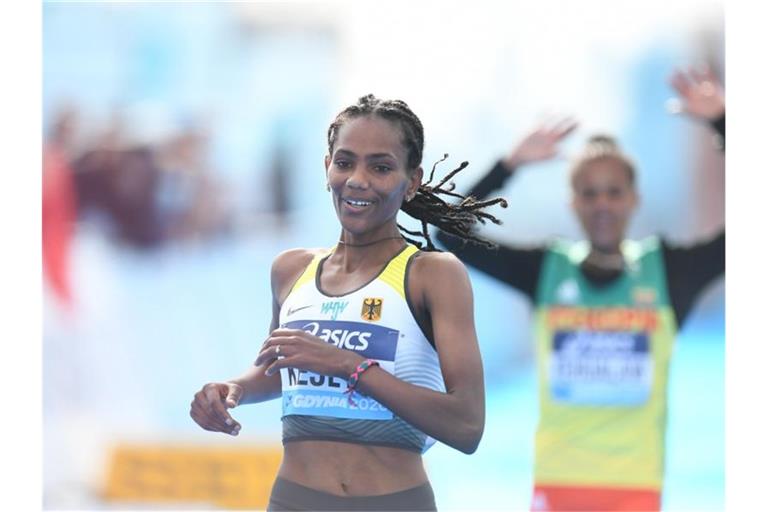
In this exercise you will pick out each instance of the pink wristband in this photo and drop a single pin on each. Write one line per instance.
(355, 377)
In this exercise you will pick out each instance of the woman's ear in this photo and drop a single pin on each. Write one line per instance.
(327, 162)
(414, 182)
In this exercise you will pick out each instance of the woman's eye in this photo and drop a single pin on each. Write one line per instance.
(342, 164)
(382, 168)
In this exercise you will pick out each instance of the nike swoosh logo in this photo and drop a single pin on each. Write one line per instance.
(292, 311)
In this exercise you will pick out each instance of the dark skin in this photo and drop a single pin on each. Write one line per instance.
(369, 179)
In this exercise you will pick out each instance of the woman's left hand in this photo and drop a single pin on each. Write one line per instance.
(295, 348)
(700, 93)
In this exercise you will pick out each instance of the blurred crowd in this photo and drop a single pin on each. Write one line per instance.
(149, 190)
(144, 186)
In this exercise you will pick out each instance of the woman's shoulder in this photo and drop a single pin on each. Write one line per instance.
(288, 264)
(437, 265)
(434, 276)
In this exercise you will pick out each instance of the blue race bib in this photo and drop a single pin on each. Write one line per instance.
(308, 393)
(602, 368)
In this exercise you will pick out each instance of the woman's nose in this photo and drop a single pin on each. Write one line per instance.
(358, 179)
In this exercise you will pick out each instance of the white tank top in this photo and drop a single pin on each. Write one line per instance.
(375, 321)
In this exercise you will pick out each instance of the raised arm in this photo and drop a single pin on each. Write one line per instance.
(516, 266)
(691, 268)
(439, 285)
(538, 145)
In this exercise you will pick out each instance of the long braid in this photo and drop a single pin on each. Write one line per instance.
(426, 206)
(458, 219)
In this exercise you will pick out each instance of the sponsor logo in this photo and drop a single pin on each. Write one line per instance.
(334, 308)
(605, 319)
(371, 309)
(296, 310)
(369, 340)
(579, 344)
(342, 338)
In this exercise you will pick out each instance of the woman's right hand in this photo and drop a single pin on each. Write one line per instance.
(541, 143)
(209, 408)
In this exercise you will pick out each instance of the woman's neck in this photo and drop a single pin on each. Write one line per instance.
(608, 260)
(369, 243)
(352, 253)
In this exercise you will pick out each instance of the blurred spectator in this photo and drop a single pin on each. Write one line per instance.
(121, 184)
(279, 179)
(189, 201)
(58, 202)
(150, 181)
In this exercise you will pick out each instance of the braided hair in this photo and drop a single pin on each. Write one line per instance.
(427, 206)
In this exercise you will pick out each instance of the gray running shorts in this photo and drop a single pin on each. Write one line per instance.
(287, 495)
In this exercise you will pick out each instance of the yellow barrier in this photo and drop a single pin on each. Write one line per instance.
(225, 477)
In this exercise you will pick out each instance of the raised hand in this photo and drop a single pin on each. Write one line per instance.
(700, 94)
(541, 143)
(295, 348)
(209, 407)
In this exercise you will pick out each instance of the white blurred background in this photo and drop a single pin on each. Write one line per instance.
(188, 141)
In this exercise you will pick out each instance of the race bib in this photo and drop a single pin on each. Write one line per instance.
(601, 368)
(311, 394)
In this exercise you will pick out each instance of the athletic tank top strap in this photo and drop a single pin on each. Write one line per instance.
(310, 271)
(394, 273)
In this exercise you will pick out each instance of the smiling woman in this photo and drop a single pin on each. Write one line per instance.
(369, 176)
(372, 344)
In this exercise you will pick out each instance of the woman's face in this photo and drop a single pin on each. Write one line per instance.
(603, 200)
(368, 175)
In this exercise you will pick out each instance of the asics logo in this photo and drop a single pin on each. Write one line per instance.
(342, 338)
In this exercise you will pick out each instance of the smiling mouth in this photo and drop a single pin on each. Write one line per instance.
(357, 203)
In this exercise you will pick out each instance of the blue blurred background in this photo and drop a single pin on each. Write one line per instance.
(186, 145)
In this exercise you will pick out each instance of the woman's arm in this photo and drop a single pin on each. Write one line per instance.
(210, 406)
(690, 269)
(440, 287)
(286, 268)
(516, 266)
(538, 145)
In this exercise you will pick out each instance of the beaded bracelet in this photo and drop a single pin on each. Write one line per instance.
(355, 377)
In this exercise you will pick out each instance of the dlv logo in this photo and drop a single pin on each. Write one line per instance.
(371, 309)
